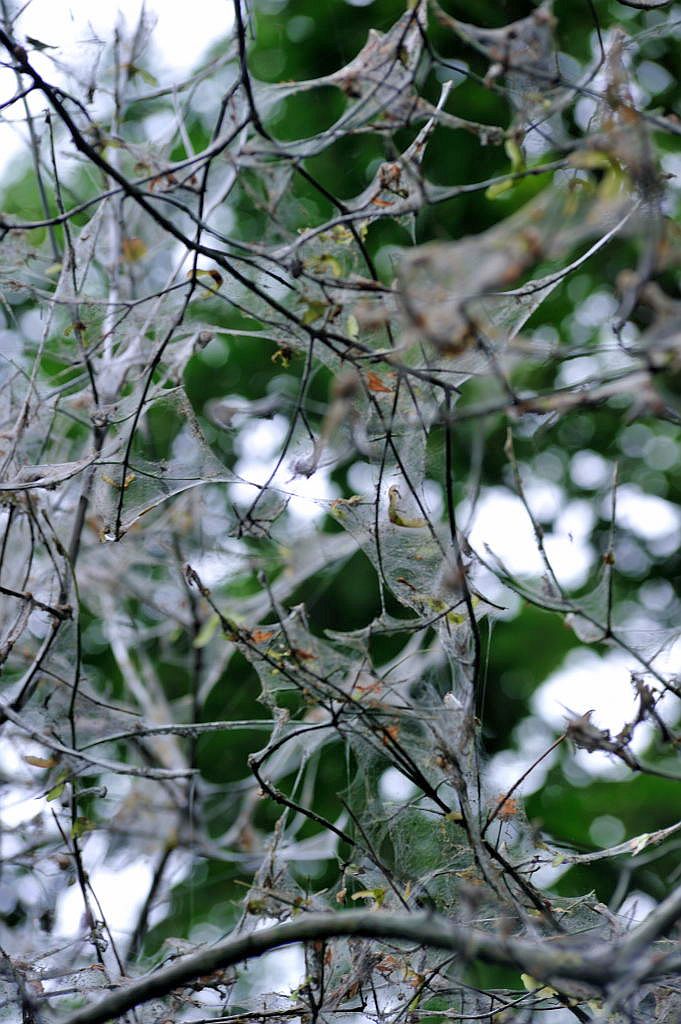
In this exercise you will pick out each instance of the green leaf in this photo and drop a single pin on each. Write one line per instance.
(515, 155)
(517, 158)
(499, 188)
(145, 75)
(314, 311)
(205, 634)
(38, 44)
(80, 826)
(376, 895)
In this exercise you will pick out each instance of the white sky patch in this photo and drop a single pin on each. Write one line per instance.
(487, 584)
(584, 682)
(590, 470)
(500, 522)
(545, 876)
(121, 892)
(668, 662)
(587, 682)
(636, 908)
(308, 495)
(656, 595)
(215, 567)
(361, 478)
(596, 309)
(279, 971)
(178, 39)
(259, 443)
(502, 527)
(653, 77)
(260, 438)
(544, 499)
(24, 801)
(505, 768)
(120, 889)
(178, 44)
(574, 371)
(576, 520)
(393, 785)
(433, 501)
(646, 515)
(17, 806)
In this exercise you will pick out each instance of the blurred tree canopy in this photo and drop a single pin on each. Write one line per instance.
(340, 518)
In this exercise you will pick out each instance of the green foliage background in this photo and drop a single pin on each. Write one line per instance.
(303, 39)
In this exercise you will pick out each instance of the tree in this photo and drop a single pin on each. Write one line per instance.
(440, 277)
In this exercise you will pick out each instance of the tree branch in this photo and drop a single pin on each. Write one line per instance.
(548, 961)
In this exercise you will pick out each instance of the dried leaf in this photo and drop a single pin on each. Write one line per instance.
(261, 636)
(374, 383)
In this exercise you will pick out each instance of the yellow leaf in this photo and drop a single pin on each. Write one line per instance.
(129, 478)
(613, 182)
(539, 989)
(314, 311)
(40, 762)
(640, 842)
(133, 249)
(283, 355)
(515, 155)
(329, 264)
(352, 326)
(353, 500)
(377, 895)
(396, 516)
(215, 275)
(590, 160)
